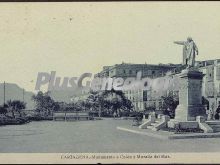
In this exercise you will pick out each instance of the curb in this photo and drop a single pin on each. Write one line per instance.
(191, 136)
(172, 137)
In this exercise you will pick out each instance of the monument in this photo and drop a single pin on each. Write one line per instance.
(190, 108)
(190, 114)
(189, 51)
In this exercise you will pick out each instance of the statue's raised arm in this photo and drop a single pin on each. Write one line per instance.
(179, 42)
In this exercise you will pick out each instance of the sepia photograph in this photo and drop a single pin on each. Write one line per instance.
(110, 82)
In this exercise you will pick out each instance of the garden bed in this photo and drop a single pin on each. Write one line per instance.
(183, 131)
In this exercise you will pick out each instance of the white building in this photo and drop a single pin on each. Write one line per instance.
(211, 83)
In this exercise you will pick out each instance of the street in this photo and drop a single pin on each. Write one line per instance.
(100, 136)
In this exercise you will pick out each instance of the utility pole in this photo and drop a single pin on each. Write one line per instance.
(23, 94)
(4, 94)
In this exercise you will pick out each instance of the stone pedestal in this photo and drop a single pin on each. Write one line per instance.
(190, 96)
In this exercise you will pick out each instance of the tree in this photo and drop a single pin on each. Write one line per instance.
(44, 103)
(3, 109)
(108, 102)
(80, 105)
(169, 105)
(56, 106)
(95, 102)
(150, 108)
(16, 106)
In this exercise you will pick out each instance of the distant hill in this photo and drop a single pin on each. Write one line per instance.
(14, 92)
(65, 95)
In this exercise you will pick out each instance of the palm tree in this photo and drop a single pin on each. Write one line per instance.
(19, 106)
(3, 109)
(16, 106)
(11, 108)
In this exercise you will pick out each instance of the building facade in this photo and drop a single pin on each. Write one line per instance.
(125, 70)
(211, 83)
(144, 99)
(141, 99)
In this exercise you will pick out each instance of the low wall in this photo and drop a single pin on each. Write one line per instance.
(69, 116)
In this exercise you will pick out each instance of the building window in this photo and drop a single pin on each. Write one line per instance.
(145, 94)
(130, 71)
(124, 71)
(145, 105)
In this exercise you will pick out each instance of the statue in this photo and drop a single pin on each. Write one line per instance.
(190, 50)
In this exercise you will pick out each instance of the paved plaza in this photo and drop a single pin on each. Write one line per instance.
(98, 136)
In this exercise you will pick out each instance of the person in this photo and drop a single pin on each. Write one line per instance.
(114, 115)
(216, 116)
(217, 113)
(189, 51)
(218, 109)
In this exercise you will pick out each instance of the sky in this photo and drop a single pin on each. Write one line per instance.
(78, 37)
